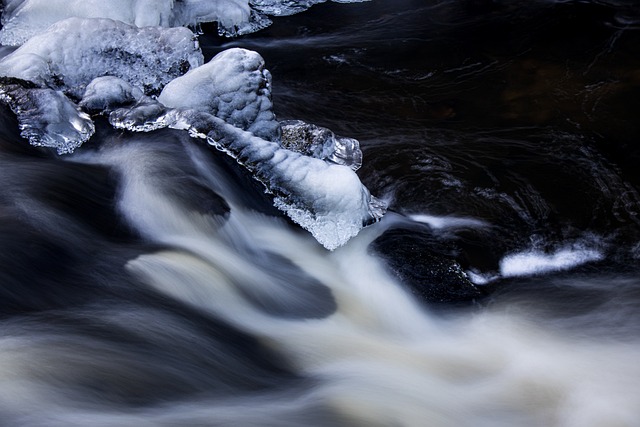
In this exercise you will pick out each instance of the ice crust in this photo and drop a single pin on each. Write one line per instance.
(23, 19)
(47, 118)
(105, 66)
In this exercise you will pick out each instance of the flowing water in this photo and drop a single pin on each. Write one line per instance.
(148, 280)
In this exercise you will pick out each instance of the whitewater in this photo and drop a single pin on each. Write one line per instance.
(287, 213)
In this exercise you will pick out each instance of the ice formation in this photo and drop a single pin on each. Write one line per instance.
(107, 66)
(75, 51)
(233, 86)
(71, 61)
(324, 198)
(320, 142)
(108, 92)
(23, 19)
(228, 102)
(47, 118)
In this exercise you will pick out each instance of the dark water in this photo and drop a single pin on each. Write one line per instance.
(519, 114)
(147, 280)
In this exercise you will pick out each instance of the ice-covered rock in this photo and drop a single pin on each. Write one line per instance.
(47, 118)
(234, 86)
(320, 142)
(73, 52)
(324, 198)
(228, 103)
(101, 62)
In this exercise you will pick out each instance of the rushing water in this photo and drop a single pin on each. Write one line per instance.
(148, 280)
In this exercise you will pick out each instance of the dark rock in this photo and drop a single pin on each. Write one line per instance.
(425, 266)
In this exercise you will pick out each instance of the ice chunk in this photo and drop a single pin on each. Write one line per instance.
(326, 199)
(107, 92)
(47, 118)
(73, 52)
(233, 86)
(320, 142)
(228, 102)
(144, 116)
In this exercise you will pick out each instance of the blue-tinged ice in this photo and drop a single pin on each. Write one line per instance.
(234, 86)
(324, 198)
(309, 171)
(108, 92)
(73, 52)
(47, 118)
(100, 63)
(23, 19)
(322, 143)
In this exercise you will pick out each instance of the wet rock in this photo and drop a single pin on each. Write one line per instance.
(425, 266)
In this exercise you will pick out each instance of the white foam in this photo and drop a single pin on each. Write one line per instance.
(444, 222)
(539, 262)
